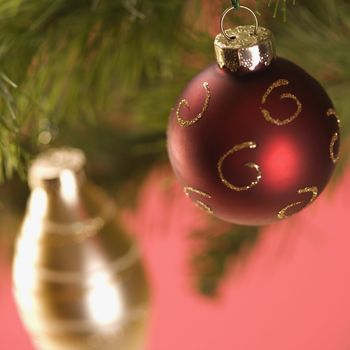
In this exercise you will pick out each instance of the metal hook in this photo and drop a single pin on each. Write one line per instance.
(231, 9)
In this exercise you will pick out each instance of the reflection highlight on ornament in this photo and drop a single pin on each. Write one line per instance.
(244, 145)
(32, 228)
(335, 137)
(201, 205)
(281, 162)
(32, 225)
(186, 123)
(103, 301)
(38, 202)
(266, 113)
(250, 58)
(25, 274)
(69, 186)
(313, 190)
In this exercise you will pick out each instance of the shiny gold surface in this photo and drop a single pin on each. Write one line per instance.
(247, 51)
(77, 277)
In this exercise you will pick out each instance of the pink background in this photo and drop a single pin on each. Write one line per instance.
(291, 293)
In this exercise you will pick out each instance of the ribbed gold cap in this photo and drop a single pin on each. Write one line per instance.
(48, 166)
(246, 51)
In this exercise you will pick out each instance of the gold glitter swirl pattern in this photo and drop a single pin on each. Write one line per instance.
(333, 113)
(335, 137)
(266, 113)
(334, 140)
(186, 123)
(201, 205)
(233, 150)
(313, 190)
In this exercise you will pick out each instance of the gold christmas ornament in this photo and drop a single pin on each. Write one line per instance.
(77, 277)
(248, 48)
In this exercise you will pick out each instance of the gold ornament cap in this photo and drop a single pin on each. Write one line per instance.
(245, 49)
(48, 167)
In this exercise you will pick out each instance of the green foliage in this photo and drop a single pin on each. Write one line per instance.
(11, 157)
(84, 60)
(81, 61)
(218, 252)
(103, 75)
(278, 6)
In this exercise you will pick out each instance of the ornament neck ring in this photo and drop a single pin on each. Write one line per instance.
(223, 31)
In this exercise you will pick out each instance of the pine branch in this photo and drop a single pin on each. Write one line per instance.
(218, 253)
(120, 65)
(11, 156)
(92, 60)
(280, 5)
(76, 61)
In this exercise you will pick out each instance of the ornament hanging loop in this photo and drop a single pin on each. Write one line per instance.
(236, 6)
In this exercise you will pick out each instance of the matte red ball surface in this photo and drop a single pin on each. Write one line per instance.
(257, 148)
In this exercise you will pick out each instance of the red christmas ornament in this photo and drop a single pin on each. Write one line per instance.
(255, 139)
